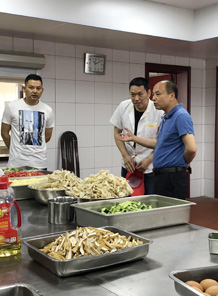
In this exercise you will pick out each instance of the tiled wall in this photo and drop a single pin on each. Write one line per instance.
(84, 103)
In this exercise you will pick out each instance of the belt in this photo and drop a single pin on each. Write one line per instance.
(169, 170)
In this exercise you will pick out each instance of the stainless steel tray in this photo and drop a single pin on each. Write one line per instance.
(86, 199)
(19, 289)
(213, 242)
(88, 263)
(21, 168)
(165, 211)
(22, 191)
(195, 274)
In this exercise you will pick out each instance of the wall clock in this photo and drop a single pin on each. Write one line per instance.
(94, 63)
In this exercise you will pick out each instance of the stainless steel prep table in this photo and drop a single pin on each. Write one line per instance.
(176, 247)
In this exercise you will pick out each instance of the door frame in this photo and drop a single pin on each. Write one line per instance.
(173, 69)
(216, 141)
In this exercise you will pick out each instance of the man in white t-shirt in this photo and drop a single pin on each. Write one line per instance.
(141, 117)
(27, 126)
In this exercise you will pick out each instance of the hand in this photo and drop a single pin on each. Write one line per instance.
(129, 163)
(126, 137)
(142, 165)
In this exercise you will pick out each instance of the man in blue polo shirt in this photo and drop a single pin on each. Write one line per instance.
(175, 145)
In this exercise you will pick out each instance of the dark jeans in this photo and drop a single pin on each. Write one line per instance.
(148, 181)
(171, 184)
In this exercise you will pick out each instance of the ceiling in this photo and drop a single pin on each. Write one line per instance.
(188, 4)
(42, 29)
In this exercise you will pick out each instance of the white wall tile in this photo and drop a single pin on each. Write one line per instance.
(120, 56)
(136, 70)
(108, 52)
(103, 157)
(103, 113)
(65, 68)
(103, 136)
(210, 96)
(210, 78)
(168, 60)
(87, 158)
(49, 70)
(22, 44)
(107, 77)
(198, 133)
(116, 171)
(84, 114)
(116, 157)
(196, 114)
(44, 47)
(209, 151)
(120, 92)
(209, 188)
(196, 78)
(86, 136)
(209, 170)
(152, 58)
(195, 188)
(80, 75)
(6, 43)
(49, 90)
(209, 136)
(137, 57)
(197, 170)
(120, 72)
(85, 92)
(196, 97)
(209, 115)
(65, 50)
(65, 91)
(199, 154)
(197, 63)
(181, 61)
(65, 113)
(210, 64)
(51, 159)
(85, 173)
(82, 49)
(103, 93)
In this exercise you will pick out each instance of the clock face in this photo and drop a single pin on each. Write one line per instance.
(94, 64)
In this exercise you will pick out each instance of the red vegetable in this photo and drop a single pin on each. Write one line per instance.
(22, 174)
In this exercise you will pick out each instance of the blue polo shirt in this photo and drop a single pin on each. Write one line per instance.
(169, 150)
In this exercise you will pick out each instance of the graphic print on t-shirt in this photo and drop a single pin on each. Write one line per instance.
(31, 125)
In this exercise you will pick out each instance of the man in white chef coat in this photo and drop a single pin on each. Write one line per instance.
(139, 115)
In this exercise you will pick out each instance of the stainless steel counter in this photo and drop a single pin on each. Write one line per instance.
(177, 247)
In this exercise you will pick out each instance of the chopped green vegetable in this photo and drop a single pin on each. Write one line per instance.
(126, 206)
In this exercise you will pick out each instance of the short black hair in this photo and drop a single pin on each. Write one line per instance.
(33, 77)
(138, 81)
(171, 87)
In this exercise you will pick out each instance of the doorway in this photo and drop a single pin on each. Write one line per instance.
(180, 75)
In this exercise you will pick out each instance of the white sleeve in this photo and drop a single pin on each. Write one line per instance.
(6, 117)
(50, 119)
(116, 118)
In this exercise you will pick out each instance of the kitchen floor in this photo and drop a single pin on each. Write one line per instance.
(205, 212)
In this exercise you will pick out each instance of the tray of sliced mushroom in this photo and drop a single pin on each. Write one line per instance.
(85, 249)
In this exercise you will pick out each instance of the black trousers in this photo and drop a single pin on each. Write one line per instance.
(172, 184)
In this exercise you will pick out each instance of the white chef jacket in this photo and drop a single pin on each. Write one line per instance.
(148, 124)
